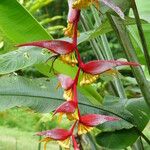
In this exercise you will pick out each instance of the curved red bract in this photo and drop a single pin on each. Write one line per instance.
(65, 81)
(95, 119)
(73, 14)
(66, 107)
(56, 134)
(100, 66)
(55, 46)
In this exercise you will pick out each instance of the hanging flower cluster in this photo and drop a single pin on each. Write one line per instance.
(68, 53)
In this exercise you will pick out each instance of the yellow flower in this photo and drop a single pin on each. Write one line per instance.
(69, 59)
(79, 4)
(88, 78)
(69, 30)
(82, 129)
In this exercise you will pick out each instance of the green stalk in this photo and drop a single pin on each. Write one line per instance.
(138, 145)
(124, 38)
(145, 138)
(141, 33)
(92, 42)
(109, 55)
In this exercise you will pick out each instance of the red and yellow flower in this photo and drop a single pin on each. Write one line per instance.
(65, 50)
(89, 121)
(67, 84)
(69, 108)
(73, 18)
(93, 69)
(62, 136)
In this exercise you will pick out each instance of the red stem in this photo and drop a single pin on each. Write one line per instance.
(75, 34)
(75, 98)
(73, 126)
(76, 28)
(78, 55)
(75, 86)
(75, 145)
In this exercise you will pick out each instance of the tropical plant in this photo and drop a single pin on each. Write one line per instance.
(107, 97)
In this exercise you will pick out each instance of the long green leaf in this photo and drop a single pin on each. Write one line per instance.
(18, 25)
(22, 58)
(38, 94)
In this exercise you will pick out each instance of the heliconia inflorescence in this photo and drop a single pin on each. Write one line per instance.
(90, 72)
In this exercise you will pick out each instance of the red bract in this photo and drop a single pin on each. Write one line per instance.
(87, 122)
(56, 134)
(66, 107)
(95, 119)
(55, 46)
(67, 84)
(65, 81)
(62, 136)
(73, 14)
(100, 66)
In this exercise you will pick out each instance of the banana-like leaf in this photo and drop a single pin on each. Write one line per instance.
(22, 58)
(39, 94)
(123, 132)
(18, 25)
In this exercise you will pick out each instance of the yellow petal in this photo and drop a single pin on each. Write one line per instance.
(85, 3)
(73, 116)
(65, 143)
(82, 129)
(88, 79)
(81, 3)
(112, 72)
(69, 30)
(46, 140)
(70, 59)
(68, 94)
(60, 117)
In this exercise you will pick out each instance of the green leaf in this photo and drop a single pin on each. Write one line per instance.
(137, 42)
(22, 58)
(38, 94)
(117, 140)
(122, 4)
(143, 9)
(113, 126)
(122, 131)
(140, 111)
(18, 25)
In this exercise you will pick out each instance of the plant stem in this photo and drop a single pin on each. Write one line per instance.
(143, 136)
(138, 145)
(124, 38)
(92, 42)
(141, 33)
